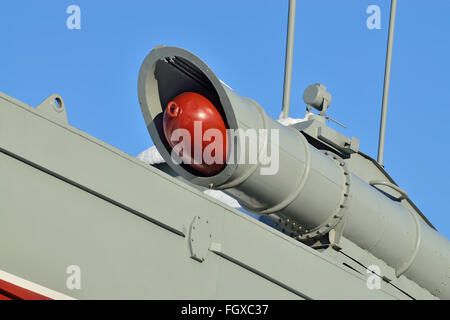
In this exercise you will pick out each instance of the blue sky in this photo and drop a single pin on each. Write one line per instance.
(95, 69)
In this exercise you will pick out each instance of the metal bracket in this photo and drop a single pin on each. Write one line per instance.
(54, 107)
(200, 237)
(334, 236)
(337, 140)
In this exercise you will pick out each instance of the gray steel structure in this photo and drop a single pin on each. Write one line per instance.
(141, 232)
(315, 192)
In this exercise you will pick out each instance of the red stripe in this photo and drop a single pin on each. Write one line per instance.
(9, 291)
(2, 297)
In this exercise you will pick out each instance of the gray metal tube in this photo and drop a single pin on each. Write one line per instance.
(317, 192)
(387, 77)
(311, 189)
(289, 58)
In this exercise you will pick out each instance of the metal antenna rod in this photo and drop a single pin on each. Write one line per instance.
(387, 76)
(288, 63)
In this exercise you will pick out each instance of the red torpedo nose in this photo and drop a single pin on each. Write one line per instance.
(203, 142)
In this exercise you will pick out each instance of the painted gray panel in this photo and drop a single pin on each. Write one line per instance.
(79, 201)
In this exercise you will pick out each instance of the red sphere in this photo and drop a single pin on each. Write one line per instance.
(196, 114)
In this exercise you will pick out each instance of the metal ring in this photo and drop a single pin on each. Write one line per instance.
(338, 215)
(252, 169)
(298, 189)
(407, 264)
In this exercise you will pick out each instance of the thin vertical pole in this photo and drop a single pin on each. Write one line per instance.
(288, 62)
(387, 76)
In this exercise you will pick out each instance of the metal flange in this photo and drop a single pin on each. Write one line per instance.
(332, 222)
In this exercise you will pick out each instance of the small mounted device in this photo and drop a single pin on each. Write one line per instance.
(316, 96)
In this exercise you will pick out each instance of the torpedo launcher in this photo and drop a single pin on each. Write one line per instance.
(310, 187)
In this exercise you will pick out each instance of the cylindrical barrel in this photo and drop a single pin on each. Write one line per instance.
(311, 188)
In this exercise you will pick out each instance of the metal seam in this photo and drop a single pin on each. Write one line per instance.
(337, 216)
(94, 193)
(253, 168)
(294, 195)
(402, 269)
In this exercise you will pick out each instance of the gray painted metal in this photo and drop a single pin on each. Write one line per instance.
(316, 96)
(368, 168)
(350, 255)
(359, 163)
(315, 191)
(289, 58)
(91, 205)
(387, 77)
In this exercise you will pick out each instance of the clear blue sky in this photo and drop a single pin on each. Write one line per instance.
(95, 69)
